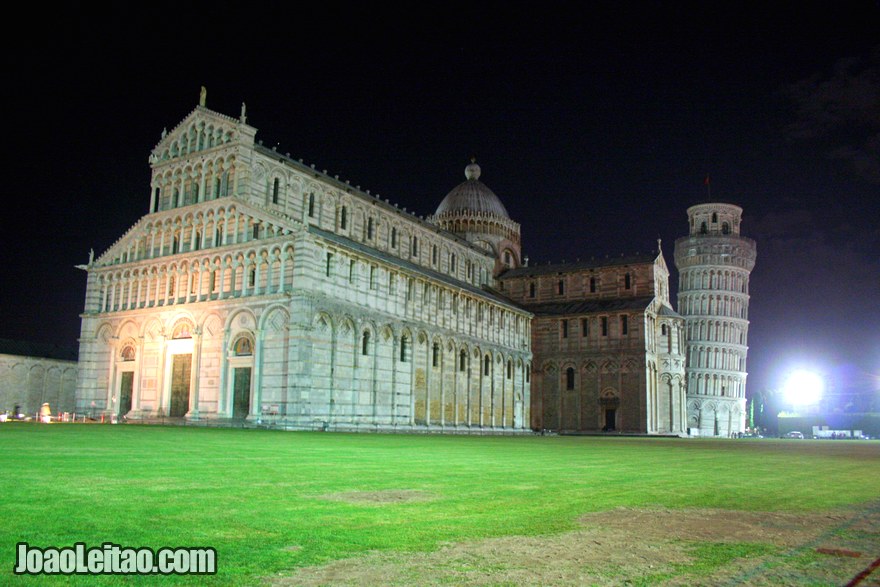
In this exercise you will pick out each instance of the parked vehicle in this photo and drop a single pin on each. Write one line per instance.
(794, 434)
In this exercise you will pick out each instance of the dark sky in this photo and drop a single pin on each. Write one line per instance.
(595, 124)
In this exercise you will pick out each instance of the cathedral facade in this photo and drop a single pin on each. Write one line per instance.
(258, 290)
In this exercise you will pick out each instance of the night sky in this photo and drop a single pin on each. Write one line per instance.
(595, 124)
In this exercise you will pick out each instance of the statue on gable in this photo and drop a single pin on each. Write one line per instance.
(203, 97)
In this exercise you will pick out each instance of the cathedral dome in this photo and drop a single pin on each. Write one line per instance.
(471, 196)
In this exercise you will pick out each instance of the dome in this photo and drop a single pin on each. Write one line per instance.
(472, 196)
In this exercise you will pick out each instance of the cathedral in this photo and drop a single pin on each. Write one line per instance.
(260, 291)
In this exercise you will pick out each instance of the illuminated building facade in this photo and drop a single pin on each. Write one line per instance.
(257, 289)
(714, 262)
(608, 347)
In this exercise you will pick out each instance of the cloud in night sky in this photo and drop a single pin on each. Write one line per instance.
(842, 109)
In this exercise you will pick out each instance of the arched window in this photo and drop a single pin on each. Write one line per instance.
(531, 290)
(365, 343)
(127, 353)
(311, 205)
(182, 330)
(404, 350)
(703, 229)
(569, 378)
(415, 246)
(486, 364)
(510, 369)
(627, 281)
(435, 355)
(725, 228)
(663, 329)
(560, 287)
(592, 285)
(714, 217)
(370, 228)
(343, 218)
(394, 238)
(243, 347)
(275, 185)
(462, 360)
(507, 258)
(252, 277)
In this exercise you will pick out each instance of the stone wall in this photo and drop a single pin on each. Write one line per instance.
(28, 382)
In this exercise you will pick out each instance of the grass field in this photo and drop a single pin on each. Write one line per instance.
(468, 510)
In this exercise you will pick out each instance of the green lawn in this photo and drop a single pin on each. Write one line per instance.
(260, 497)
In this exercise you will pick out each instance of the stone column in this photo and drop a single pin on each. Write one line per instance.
(160, 377)
(223, 400)
(257, 408)
(193, 413)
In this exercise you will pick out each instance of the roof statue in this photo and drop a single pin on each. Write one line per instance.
(203, 97)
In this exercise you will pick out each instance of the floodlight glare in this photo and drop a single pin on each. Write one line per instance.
(803, 388)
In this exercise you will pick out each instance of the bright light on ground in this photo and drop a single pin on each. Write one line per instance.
(803, 388)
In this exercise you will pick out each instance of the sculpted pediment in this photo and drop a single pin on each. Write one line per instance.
(201, 130)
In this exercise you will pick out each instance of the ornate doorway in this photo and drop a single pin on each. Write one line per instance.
(609, 402)
(240, 376)
(180, 378)
(241, 394)
(610, 419)
(125, 388)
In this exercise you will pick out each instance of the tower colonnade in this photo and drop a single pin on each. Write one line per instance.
(714, 262)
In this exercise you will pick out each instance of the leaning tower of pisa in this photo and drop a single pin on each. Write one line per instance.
(714, 262)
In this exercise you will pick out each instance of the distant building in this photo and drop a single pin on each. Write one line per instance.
(32, 374)
(608, 347)
(714, 262)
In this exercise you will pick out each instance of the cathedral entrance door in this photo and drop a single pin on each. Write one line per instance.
(180, 377)
(241, 394)
(610, 414)
(127, 380)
